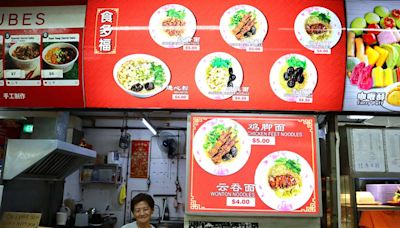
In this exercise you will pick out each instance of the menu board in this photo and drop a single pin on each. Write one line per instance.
(392, 146)
(41, 56)
(367, 150)
(253, 164)
(373, 56)
(186, 54)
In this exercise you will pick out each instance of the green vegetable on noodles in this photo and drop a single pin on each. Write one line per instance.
(322, 16)
(218, 62)
(159, 75)
(295, 62)
(237, 17)
(180, 14)
(290, 164)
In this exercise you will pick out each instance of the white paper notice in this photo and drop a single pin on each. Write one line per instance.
(368, 153)
(392, 145)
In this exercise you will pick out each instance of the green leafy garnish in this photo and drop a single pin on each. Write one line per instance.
(213, 136)
(295, 62)
(322, 16)
(159, 75)
(290, 164)
(237, 17)
(218, 62)
(180, 14)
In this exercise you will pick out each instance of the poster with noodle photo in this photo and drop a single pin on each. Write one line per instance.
(253, 164)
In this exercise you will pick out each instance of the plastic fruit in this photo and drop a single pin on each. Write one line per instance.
(393, 56)
(381, 11)
(374, 28)
(357, 25)
(372, 18)
(369, 38)
(387, 22)
(396, 13)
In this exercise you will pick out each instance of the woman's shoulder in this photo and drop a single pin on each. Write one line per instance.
(130, 225)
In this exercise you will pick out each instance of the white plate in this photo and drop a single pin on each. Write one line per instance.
(305, 39)
(268, 195)
(201, 80)
(385, 103)
(225, 167)
(226, 29)
(149, 58)
(157, 29)
(291, 94)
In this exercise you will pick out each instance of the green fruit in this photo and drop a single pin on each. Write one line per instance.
(358, 25)
(393, 56)
(397, 23)
(397, 46)
(381, 11)
(372, 18)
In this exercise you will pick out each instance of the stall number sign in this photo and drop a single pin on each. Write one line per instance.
(20, 220)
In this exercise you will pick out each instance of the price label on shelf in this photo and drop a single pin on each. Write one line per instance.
(240, 202)
(262, 140)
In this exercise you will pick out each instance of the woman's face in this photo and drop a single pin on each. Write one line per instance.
(142, 212)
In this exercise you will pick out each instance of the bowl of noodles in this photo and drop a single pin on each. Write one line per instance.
(60, 56)
(284, 180)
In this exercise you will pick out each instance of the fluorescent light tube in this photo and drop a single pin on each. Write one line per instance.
(148, 125)
(359, 117)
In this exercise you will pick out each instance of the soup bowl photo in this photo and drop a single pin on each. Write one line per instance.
(61, 56)
(25, 56)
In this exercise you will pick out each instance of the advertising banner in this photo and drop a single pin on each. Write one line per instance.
(253, 164)
(373, 56)
(41, 56)
(229, 56)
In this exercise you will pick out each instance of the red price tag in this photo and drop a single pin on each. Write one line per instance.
(262, 140)
(240, 202)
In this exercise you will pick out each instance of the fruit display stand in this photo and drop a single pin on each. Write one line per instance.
(365, 158)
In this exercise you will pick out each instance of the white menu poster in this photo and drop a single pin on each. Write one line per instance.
(367, 150)
(392, 145)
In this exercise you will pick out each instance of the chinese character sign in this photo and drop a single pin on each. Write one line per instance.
(105, 34)
(140, 159)
(254, 164)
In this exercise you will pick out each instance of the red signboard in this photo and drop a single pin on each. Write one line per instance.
(140, 159)
(253, 56)
(41, 56)
(253, 164)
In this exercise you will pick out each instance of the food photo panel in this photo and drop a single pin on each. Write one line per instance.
(60, 59)
(22, 60)
(172, 25)
(253, 164)
(243, 26)
(317, 28)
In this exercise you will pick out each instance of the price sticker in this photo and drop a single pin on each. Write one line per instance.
(240, 98)
(14, 74)
(52, 74)
(262, 140)
(254, 49)
(322, 51)
(180, 97)
(190, 47)
(240, 202)
(304, 100)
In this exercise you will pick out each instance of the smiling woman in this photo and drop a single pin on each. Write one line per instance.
(142, 207)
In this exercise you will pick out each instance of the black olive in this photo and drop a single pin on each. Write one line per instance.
(253, 30)
(232, 77)
(286, 76)
(299, 71)
(230, 84)
(149, 86)
(248, 34)
(230, 71)
(291, 83)
(300, 79)
(233, 151)
(137, 87)
(290, 70)
(227, 157)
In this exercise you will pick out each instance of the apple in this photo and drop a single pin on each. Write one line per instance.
(369, 38)
(374, 28)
